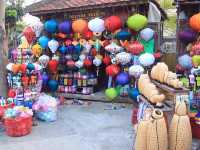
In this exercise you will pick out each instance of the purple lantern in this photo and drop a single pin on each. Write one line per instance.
(65, 27)
(122, 78)
(45, 78)
(187, 36)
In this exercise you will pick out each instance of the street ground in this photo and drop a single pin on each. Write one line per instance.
(92, 127)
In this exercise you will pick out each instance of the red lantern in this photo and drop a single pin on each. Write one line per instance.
(113, 23)
(93, 52)
(135, 47)
(25, 81)
(29, 34)
(23, 68)
(87, 63)
(157, 55)
(88, 34)
(112, 70)
(11, 93)
(107, 60)
(52, 65)
(70, 63)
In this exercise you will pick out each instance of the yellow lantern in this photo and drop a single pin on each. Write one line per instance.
(37, 50)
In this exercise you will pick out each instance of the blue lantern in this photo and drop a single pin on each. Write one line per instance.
(123, 35)
(78, 48)
(51, 26)
(65, 27)
(45, 78)
(122, 78)
(43, 41)
(70, 48)
(53, 85)
(63, 49)
(30, 67)
(133, 93)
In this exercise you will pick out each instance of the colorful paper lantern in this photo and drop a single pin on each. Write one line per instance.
(51, 26)
(23, 68)
(111, 93)
(185, 61)
(107, 60)
(45, 78)
(53, 85)
(79, 26)
(15, 68)
(113, 23)
(122, 78)
(195, 22)
(29, 34)
(112, 70)
(146, 59)
(36, 50)
(25, 81)
(65, 27)
(133, 93)
(196, 60)
(123, 58)
(137, 22)
(88, 34)
(97, 61)
(63, 49)
(37, 28)
(135, 47)
(30, 67)
(136, 71)
(78, 48)
(11, 93)
(43, 41)
(79, 64)
(43, 60)
(123, 35)
(147, 34)
(53, 45)
(187, 36)
(96, 25)
(87, 63)
(70, 63)
(113, 48)
(9, 66)
(52, 65)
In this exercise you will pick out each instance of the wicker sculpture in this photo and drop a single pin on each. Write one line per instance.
(161, 73)
(157, 138)
(180, 136)
(149, 90)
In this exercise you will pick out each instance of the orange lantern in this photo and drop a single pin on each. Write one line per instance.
(80, 26)
(195, 22)
(15, 68)
(37, 50)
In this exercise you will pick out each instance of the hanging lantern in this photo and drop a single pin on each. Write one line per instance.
(43, 60)
(137, 22)
(122, 78)
(111, 93)
(80, 26)
(11, 93)
(123, 58)
(43, 41)
(136, 71)
(53, 85)
(146, 59)
(147, 34)
(9, 66)
(36, 50)
(37, 28)
(187, 36)
(45, 79)
(29, 34)
(185, 61)
(123, 35)
(25, 81)
(97, 61)
(30, 67)
(15, 68)
(51, 26)
(63, 49)
(78, 48)
(23, 68)
(96, 25)
(133, 93)
(52, 65)
(79, 64)
(107, 60)
(112, 70)
(87, 63)
(53, 45)
(195, 22)
(70, 64)
(65, 27)
(88, 35)
(113, 48)
(113, 23)
(135, 47)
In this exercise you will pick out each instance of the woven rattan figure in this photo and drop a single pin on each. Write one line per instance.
(157, 137)
(180, 136)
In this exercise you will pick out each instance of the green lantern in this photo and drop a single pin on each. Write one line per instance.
(111, 93)
(137, 22)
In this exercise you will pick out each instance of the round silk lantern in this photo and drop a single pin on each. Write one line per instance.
(137, 22)
(53, 45)
(136, 71)
(15, 68)
(113, 23)
(43, 60)
(187, 36)
(96, 25)
(36, 50)
(53, 85)
(113, 48)
(29, 34)
(80, 26)
(123, 58)
(146, 59)
(195, 22)
(147, 34)
(133, 93)
(87, 63)
(63, 49)
(23, 68)
(65, 27)
(52, 65)
(45, 78)
(88, 34)
(25, 81)
(185, 61)
(122, 78)
(43, 41)
(196, 60)
(107, 60)
(111, 93)
(123, 35)
(11, 93)
(51, 26)
(79, 64)
(135, 47)
(9, 66)
(37, 28)
(112, 70)
(97, 62)
(30, 67)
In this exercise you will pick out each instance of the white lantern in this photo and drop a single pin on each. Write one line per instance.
(43, 60)
(79, 64)
(113, 48)
(147, 34)
(146, 59)
(123, 58)
(96, 25)
(9, 66)
(136, 71)
(97, 62)
(37, 28)
(53, 45)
